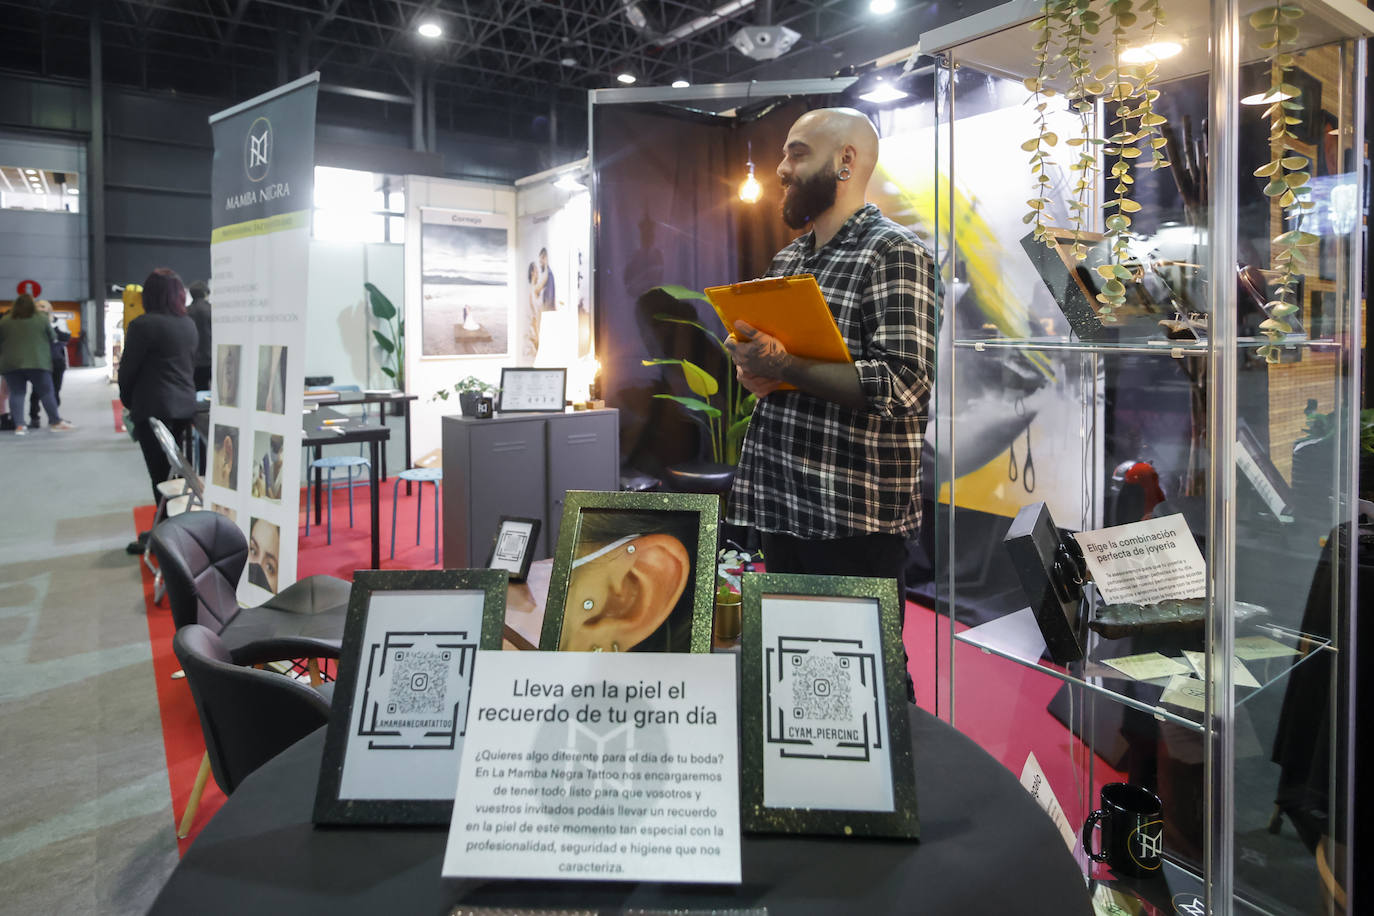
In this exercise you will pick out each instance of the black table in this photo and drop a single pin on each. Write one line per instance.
(383, 398)
(325, 427)
(986, 847)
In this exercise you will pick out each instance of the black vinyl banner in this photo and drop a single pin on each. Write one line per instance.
(264, 162)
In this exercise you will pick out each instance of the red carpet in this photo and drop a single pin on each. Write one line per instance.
(1000, 705)
(352, 546)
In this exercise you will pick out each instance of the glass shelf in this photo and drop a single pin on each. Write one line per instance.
(1016, 637)
(1138, 345)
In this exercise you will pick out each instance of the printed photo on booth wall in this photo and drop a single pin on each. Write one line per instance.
(465, 283)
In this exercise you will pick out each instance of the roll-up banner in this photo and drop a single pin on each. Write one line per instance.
(263, 192)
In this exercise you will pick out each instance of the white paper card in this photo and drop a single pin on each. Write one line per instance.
(1186, 691)
(1035, 782)
(411, 697)
(825, 742)
(1145, 562)
(1147, 666)
(1240, 675)
(1254, 648)
(599, 766)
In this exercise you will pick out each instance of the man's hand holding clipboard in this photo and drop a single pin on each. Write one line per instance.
(783, 337)
(760, 359)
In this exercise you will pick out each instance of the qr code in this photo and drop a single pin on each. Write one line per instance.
(820, 687)
(418, 682)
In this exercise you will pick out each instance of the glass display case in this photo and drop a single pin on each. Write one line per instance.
(1151, 244)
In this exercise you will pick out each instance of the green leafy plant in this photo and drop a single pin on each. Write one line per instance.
(391, 338)
(1287, 171)
(1065, 33)
(726, 423)
(470, 385)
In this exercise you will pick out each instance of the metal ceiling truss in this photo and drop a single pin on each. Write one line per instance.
(498, 60)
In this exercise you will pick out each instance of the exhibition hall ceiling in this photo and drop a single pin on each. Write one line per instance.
(498, 67)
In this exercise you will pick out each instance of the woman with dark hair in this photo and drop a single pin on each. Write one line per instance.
(26, 339)
(155, 370)
(629, 588)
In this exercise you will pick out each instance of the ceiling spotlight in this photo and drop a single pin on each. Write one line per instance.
(680, 84)
(883, 92)
(881, 7)
(73, 191)
(1160, 50)
(430, 29)
(626, 78)
(568, 61)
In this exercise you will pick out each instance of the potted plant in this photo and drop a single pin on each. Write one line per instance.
(726, 418)
(469, 390)
(391, 337)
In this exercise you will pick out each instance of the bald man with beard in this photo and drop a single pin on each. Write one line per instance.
(830, 473)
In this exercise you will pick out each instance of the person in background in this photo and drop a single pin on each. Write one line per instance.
(59, 358)
(199, 310)
(830, 473)
(155, 372)
(26, 340)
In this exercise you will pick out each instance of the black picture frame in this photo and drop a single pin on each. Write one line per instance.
(402, 755)
(525, 390)
(846, 645)
(513, 546)
(684, 517)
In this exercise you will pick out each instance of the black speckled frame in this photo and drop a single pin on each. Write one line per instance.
(707, 508)
(329, 807)
(902, 821)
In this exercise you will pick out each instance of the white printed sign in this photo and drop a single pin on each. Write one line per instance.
(1034, 780)
(826, 743)
(1145, 562)
(599, 766)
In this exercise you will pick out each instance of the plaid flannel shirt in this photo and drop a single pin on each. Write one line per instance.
(813, 468)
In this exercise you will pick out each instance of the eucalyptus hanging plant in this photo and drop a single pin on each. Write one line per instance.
(1066, 31)
(1288, 171)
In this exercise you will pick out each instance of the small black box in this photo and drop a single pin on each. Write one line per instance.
(1051, 576)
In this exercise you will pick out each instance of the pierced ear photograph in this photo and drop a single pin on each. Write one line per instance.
(225, 461)
(227, 374)
(272, 379)
(633, 572)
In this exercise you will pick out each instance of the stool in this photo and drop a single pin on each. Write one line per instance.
(419, 476)
(329, 465)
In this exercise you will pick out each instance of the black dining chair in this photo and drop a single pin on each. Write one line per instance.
(203, 554)
(247, 715)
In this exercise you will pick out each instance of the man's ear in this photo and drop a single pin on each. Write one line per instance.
(643, 592)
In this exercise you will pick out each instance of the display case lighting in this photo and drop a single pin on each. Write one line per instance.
(1159, 50)
(883, 92)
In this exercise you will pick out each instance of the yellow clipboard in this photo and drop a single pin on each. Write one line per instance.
(791, 309)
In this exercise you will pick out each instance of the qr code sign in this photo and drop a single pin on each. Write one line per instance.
(418, 682)
(820, 687)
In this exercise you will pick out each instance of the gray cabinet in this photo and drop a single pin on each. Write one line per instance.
(521, 465)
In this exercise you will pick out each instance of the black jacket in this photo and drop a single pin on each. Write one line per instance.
(155, 378)
(199, 310)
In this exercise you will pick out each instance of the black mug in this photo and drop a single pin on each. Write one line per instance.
(1132, 830)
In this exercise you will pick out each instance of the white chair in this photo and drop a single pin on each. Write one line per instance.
(181, 491)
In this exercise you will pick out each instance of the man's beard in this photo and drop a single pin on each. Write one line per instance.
(804, 199)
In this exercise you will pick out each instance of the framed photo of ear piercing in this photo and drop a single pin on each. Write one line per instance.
(823, 708)
(633, 572)
(513, 547)
(400, 708)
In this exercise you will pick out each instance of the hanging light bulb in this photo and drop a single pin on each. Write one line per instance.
(750, 190)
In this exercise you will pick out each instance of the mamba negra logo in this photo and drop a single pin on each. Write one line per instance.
(257, 149)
